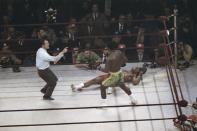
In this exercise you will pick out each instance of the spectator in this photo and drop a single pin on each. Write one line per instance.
(129, 18)
(106, 52)
(75, 53)
(116, 40)
(44, 32)
(87, 59)
(120, 26)
(70, 36)
(38, 34)
(99, 21)
(50, 33)
(88, 44)
(41, 34)
(8, 58)
(151, 40)
(14, 38)
(185, 52)
(132, 28)
(62, 42)
(158, 57)
(130, 25)
(87, 28)
(99, 43)
(12, 34)
(73, 21)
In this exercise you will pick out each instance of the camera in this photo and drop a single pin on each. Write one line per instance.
(4, 61)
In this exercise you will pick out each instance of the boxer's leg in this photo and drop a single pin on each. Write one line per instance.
(94, 81)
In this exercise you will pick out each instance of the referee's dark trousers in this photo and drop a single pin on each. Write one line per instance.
(50, 78)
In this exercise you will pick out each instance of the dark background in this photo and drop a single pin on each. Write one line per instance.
(31, 11)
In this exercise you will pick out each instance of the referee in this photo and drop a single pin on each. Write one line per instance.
(42, 64)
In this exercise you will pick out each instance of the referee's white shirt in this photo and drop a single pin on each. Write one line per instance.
(43, 58)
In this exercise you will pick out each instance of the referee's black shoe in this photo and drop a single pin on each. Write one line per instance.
(48, 98)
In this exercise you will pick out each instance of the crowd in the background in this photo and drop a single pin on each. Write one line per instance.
(77, 34)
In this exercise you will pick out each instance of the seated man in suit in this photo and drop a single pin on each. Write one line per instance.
(120, 26)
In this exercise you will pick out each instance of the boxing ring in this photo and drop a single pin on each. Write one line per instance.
(20, 92)
(158, 94)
